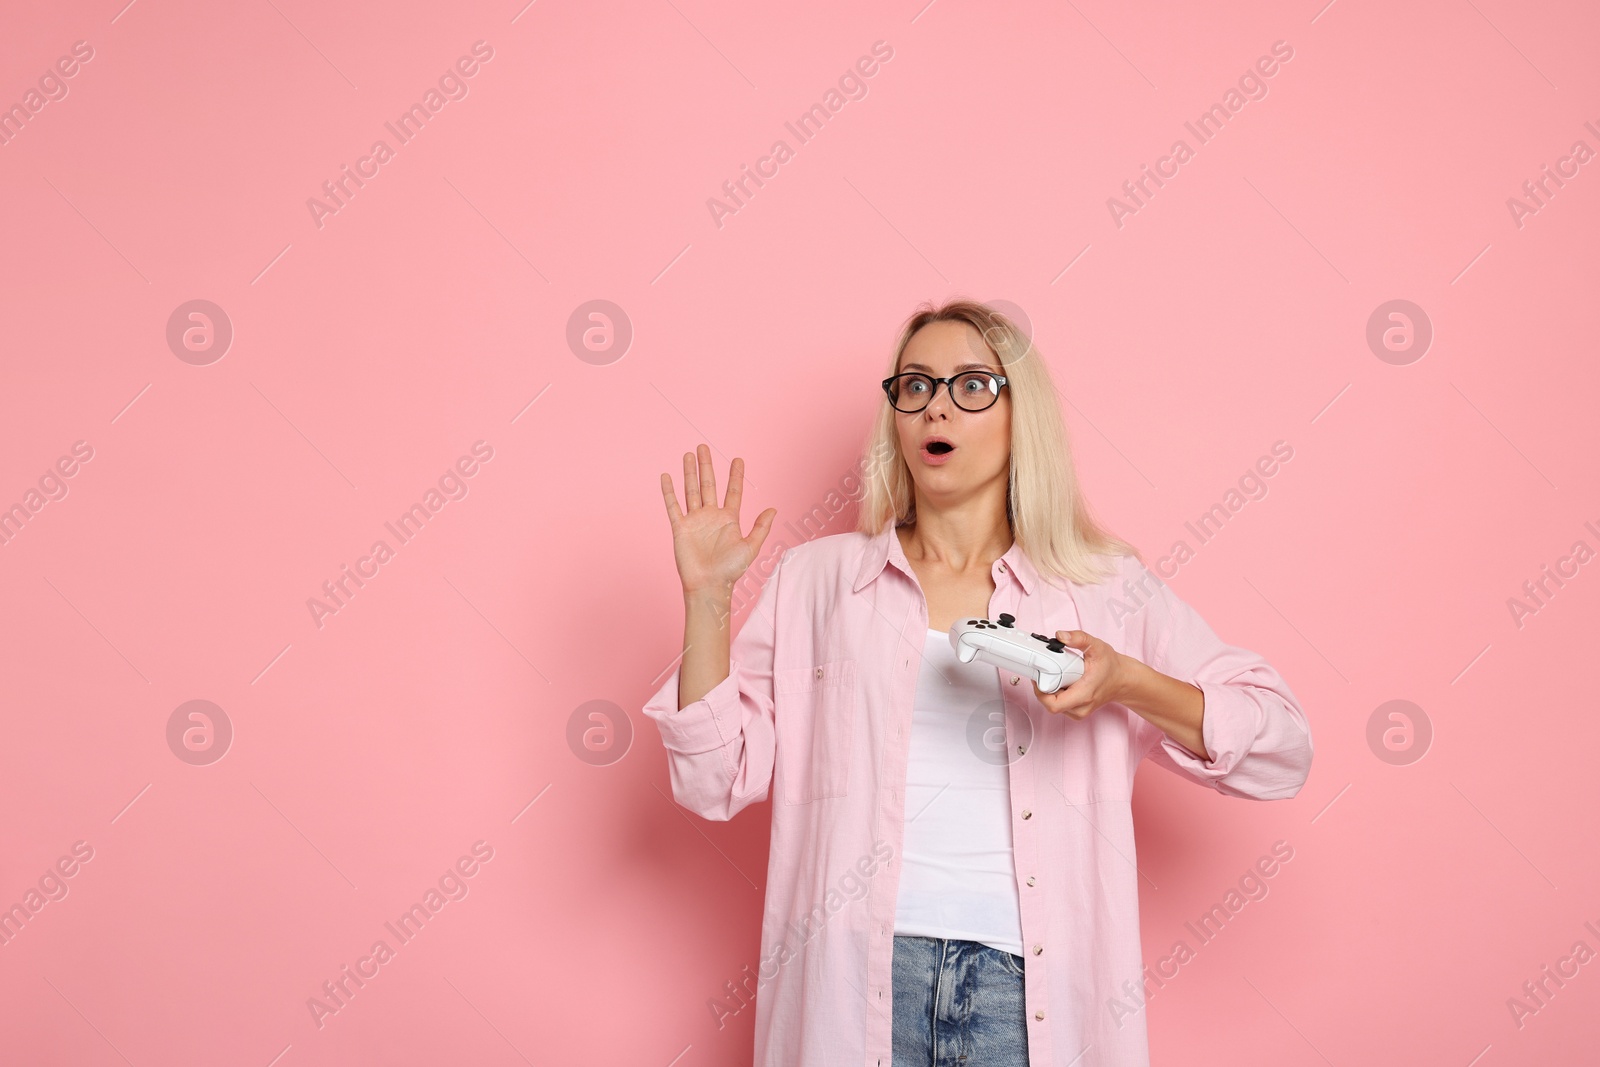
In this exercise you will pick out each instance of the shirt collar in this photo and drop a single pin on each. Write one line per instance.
(884, 547)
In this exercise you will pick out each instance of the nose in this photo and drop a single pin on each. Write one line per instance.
(934, 399)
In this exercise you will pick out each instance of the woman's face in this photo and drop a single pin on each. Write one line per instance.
(982, 439)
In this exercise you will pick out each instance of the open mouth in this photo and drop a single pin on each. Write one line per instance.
(939, 448)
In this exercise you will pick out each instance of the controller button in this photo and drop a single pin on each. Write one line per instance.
(1057, 646)
(1006, 620)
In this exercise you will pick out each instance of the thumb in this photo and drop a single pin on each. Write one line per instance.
(758, 532)
(1073, 638)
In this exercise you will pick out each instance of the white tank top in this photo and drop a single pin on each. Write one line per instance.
(957, 876)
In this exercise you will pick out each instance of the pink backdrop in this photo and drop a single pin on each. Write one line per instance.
(182, 478)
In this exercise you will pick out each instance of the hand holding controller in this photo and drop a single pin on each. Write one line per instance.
(1044, 659)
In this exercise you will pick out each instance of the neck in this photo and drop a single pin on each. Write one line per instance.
(958, 542)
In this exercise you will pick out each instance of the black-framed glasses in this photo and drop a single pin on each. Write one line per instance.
(971, 390)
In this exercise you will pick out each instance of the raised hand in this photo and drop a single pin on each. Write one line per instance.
(706, 542)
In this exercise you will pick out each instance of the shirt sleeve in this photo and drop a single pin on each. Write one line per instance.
(720, 747)
(1253, 726)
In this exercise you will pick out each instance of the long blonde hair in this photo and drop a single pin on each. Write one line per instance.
(1045, 507)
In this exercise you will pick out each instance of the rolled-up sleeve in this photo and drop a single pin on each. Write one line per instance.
(1253, 726)
(720, 748)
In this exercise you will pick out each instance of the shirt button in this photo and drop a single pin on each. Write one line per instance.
(1022, 749)
(819, 672)
(1015, 679)
(1039, 1015)
(1002, 568)
(1037, 949)
(1031, 879)
(1026, 814)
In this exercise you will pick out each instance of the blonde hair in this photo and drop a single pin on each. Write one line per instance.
(1045, 506)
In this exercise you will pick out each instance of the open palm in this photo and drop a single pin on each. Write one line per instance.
(706, 542)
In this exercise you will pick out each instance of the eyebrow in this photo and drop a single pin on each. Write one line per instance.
(964, 366)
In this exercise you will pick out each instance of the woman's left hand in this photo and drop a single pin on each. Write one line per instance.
(1106, 676)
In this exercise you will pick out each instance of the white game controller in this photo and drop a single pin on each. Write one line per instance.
(1045, 659)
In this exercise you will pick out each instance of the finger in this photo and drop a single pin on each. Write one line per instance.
(708, 478)
(691, 483)
(1053, 701)
(1074, 638)
(1073, 709)
(670, 493)
(1063, 701)
(758, 532)
(1067, 696)
(735, 487)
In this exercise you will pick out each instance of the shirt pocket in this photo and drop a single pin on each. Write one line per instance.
(814, 708)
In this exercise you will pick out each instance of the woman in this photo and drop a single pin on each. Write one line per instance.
(952, 875)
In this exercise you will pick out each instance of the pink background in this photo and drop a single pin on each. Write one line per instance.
(432, 710)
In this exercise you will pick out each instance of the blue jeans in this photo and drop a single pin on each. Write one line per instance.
(957, 1004)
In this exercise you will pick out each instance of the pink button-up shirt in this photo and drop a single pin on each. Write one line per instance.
(817, 711)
